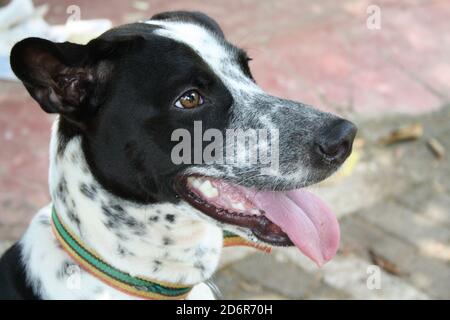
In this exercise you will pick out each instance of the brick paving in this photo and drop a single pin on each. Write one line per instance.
(395, 201)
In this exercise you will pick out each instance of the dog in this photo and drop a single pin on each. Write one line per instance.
(115, 189)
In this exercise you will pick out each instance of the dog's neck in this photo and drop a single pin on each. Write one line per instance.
(162, 241)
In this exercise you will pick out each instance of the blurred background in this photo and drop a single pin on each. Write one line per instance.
(383, 64)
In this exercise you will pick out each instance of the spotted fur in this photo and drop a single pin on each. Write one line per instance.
(118, 229)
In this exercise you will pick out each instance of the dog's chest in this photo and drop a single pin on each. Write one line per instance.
(53, 274)
(50, 270)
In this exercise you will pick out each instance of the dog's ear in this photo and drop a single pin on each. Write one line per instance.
(191, 16)
(55, 74)
(64, 78)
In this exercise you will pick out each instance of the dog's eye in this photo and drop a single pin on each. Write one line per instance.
(189, 100)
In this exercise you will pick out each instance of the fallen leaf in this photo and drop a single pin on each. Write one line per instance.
(385, 264)
(411, 132)
(436, 147)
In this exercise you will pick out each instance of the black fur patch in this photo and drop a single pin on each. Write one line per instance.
(13, 282)
(44, 220)
(170, 218)
(61, 190)
(89, 191)
(74, 218)
(167, 241)
(123, 252)
(118, 218)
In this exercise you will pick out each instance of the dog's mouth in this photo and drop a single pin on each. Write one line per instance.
(278, 218)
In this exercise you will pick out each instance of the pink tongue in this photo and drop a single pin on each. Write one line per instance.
(306, 219)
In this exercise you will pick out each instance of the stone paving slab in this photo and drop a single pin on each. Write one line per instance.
(289, 273)
(431, 201)
(428, 274)
(233, 286)
(287, 279)
(396, 219)
(282, 279)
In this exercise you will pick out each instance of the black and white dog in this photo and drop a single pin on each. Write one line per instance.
(112, 178)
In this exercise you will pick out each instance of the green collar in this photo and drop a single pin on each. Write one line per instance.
(140, 287)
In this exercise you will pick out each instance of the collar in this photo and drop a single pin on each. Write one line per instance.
(141, 287)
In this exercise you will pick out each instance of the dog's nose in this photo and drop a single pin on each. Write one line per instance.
(334, 144)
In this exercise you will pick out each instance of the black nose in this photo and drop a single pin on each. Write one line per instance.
(334, 143)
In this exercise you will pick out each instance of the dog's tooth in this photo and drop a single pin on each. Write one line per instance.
(195, 182)
(208, 190)
(238, 206)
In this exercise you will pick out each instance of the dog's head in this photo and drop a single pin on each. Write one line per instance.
(168, 111)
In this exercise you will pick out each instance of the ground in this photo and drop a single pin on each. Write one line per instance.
(392, 201)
